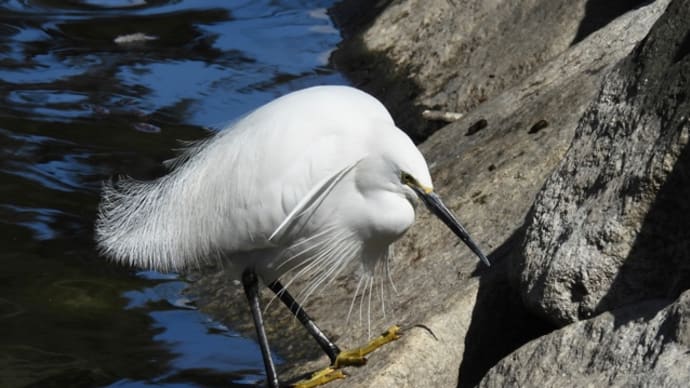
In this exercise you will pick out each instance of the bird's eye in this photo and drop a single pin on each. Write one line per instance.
(406, 178)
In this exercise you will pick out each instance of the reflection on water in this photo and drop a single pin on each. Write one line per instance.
(93, 88)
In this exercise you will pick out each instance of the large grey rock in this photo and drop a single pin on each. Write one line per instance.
(490, 178)
(641, 345)
(610, 226)
(455, 55)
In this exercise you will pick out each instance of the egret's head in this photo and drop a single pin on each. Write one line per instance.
(425, 192)
(406, 171)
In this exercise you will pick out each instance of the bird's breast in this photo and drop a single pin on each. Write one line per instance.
(386, 216)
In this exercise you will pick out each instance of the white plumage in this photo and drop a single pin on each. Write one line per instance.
(308, 182)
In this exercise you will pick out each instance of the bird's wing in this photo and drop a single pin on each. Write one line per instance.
(308, 203)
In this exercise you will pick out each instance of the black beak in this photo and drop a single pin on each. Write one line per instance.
(435, 205)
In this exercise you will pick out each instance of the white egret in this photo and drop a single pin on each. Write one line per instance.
(307, 183)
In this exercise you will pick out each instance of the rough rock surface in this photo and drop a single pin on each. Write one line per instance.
(455, 55)
(641, 345)
(488, 166)
(608, 235)
(610, 226)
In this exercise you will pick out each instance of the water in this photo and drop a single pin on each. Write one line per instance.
(95, 88)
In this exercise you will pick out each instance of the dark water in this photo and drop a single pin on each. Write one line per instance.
(79, 105)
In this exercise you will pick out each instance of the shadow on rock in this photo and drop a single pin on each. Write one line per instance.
(658, 265)
(371, 72)
(353, 16)
(500, 321)
(599, 13)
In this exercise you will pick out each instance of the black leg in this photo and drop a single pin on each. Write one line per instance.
(251, 289)
(331, 349)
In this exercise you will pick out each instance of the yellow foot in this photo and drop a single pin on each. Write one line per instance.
(321, 377)
(355, 357)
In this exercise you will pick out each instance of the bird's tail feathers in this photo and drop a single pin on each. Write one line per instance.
(135, 226)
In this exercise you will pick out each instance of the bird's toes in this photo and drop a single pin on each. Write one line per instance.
(356, 357)
(321, 377)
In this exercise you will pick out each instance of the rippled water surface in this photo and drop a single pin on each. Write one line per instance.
(95, 88)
